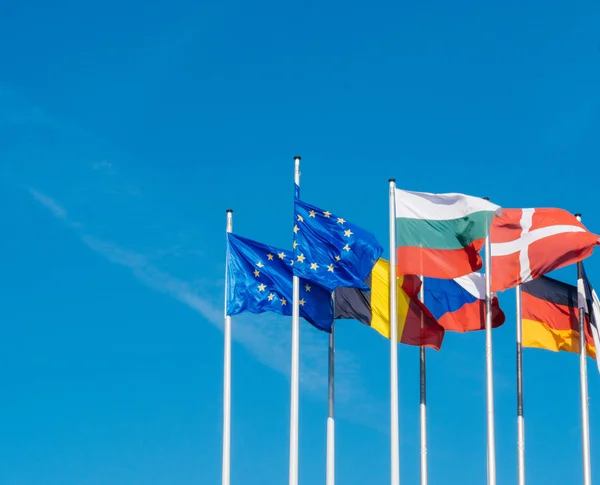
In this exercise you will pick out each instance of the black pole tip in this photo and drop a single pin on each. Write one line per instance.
(391, 180)
(229, 211)
(486, 198)
(578, 215)
(297, 157)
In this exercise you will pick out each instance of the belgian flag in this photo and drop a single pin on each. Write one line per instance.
(416, 324)
(551, 317)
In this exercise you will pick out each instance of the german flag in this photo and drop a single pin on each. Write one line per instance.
(551, 317)
(416, 324)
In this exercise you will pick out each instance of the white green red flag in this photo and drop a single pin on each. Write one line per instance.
(527, 243)
(440, 235)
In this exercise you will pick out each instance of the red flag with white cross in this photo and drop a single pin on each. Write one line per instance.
(527, 243)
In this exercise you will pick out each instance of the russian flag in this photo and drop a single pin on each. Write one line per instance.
(459, 304)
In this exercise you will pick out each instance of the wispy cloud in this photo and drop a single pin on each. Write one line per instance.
(142, 269)
(103, 166)
(155, 278)
(57, 210)
(261, 335)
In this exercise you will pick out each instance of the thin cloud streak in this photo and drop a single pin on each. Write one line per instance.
(103, 166)
(267, 337)
(56, 209)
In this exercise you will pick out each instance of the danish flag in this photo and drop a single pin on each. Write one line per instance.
(527, 243)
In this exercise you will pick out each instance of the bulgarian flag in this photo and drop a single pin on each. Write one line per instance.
(440, 235)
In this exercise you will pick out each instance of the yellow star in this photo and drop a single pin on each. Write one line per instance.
(346, 247)
(296, 228)
(283, 301)
(337, 258)
(340, 220)
(301, 302)
(259, 264)
(271, 296)
(270, 257)
(312, 214)
(330, 268)
(261, 287)
(295, 244)
(301, 258)
(348, 233)
(307, 288)
(281, 255)
(256, 273)
(314, 266)
(326, 213)
(300, 218)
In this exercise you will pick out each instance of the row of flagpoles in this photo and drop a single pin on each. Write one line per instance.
(348, 270)
(491, 442)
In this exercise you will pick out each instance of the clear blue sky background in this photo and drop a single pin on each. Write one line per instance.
(127, 128)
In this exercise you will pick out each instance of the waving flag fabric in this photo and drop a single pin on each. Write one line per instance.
(593, 310)
(527, 243)
(416, 325)
(260, 280)
(331, 251)
(459, 304)
(551, 316)
(440, 235)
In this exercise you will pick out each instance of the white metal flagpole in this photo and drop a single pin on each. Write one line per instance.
(423, 404)
(520, 414)
(394, 433)
(491, 434)
(585, 416)
(330, 408)
(295, 373)
(227, 374)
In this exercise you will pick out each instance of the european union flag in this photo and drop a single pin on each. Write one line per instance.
(259, 279)
(331, 251)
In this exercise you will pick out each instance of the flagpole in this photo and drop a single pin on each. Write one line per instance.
(585, 418)
(520, 414)
(423, 405)
(330, 480)
(295, 372)
(394, 433)
(225, 476)
(491, 438)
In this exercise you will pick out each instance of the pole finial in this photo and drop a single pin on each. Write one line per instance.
(486, 198)
(297, 157)
(229, 211)
(391, 180)
(578, 215)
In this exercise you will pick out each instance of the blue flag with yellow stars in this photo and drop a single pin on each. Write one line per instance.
(259, 279)
(331, 251)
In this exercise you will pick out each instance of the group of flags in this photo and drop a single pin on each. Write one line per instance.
(328, 252)
(334, 270)
(439, 238)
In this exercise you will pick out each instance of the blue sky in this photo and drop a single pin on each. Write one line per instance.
(127, 129)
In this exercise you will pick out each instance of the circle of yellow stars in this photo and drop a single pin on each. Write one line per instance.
(300, 258)
(273, 296)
